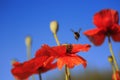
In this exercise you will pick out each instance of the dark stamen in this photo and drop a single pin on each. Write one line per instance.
(69, 48)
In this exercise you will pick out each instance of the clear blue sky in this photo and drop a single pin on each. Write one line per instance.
(19, 18)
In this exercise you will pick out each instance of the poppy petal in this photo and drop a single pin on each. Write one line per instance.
(79, 47)
(39, 61)
(70, 61)
(45, 50)
(60, 63)
(26, 69)
(106, 18)
(116, 33)
(96, 36)
(42, 51)
(46, 66)
(49, 67)
(59, 50)
(16, 64)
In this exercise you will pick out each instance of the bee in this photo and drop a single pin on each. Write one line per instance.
(76, 34)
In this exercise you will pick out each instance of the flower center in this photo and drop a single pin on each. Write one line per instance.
(69, 48)
(109, 32)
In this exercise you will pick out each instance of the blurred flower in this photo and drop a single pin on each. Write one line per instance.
(28, 41)
(106, 22)
(116, 75)
(66, 54)
(34, 66)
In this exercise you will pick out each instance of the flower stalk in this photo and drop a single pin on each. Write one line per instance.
(112, 53)
(110, 59)
(67, 73)
(56, 39)
(40, 77)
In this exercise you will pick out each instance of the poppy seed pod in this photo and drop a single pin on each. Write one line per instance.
(28, 41)
(54, 27)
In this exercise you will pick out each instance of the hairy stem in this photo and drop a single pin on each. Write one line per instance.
(56, 39)
(67, 72)
(112, 53)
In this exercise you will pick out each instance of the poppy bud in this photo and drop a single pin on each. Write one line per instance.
(54, 27)
(28, 41)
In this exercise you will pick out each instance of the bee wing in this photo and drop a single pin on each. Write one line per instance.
(72, 30)
(79, 30)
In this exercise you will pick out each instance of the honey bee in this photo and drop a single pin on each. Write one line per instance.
(76, 34)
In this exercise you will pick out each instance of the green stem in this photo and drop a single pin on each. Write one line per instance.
(112, 53)
(113, 67)
(67, 72)
(56, 39)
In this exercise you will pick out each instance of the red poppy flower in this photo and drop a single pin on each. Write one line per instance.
(34, 66)
(69, 56)
(106, 22)
(116, 75)
(66, 54)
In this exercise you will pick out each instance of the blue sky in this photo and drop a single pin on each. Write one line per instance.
(19, 18)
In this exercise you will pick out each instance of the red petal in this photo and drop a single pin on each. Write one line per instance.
(115, 16)
(45, 50)
(106, 18)
(49, 60)
(39, 61)
(71, 61)
(80, 47)
(26, 69)
(46, 66)
(42, 51)
(20, 73)
(116, 33)
(49, 67)
(96, 36)
(59, 50)
(60, 62)
(16, 64)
